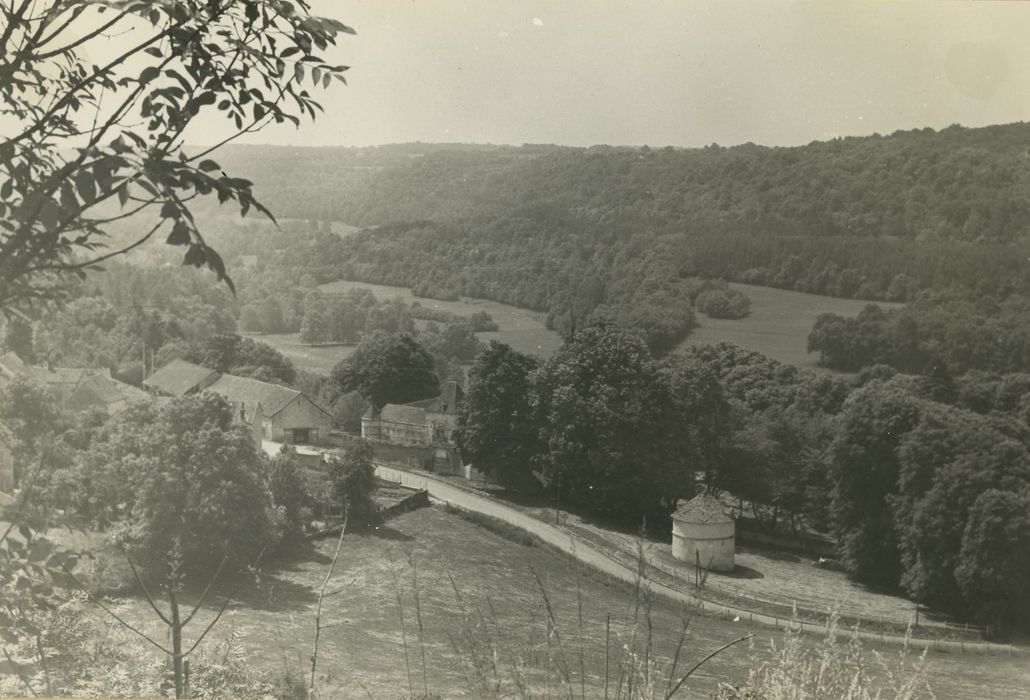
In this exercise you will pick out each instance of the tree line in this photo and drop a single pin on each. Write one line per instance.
(946, 330)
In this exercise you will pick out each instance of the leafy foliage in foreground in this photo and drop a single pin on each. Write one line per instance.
(93, 143)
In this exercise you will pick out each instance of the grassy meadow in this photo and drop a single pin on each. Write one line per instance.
(367, 651)
(778, 325)
(522, 329)
(314, 358)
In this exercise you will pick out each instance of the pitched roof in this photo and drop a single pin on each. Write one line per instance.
(250, 392)
(703, 508)
(99, 389)
(102, 391)
(179, 377)
(60, 375)
(446, 402)
(131, 393)
(403, 413)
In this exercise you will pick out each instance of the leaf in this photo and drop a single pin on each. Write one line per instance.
(180, 234)
(123, 194)
(40, 550)
(85, 185)
(148, 74)
(214, 261)
(153, 51)
(208, 165)
(102, 172)
(195, 256)
(68, 201)
(169, 211)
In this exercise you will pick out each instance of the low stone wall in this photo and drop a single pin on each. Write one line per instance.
(419, 499)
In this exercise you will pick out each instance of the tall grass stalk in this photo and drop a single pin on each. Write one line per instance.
(418, 617)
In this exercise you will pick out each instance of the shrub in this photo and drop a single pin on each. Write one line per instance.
(354, 483)
(723, 303)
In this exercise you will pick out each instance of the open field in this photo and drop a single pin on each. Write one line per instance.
(313, 358)
(778, 325)
(522, 329)
(363, 648)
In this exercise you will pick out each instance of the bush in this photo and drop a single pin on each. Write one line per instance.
(354, 483)
(723, 303)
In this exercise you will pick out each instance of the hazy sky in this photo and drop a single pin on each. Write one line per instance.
(680, 72)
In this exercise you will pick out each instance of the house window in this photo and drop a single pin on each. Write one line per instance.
(301, 436)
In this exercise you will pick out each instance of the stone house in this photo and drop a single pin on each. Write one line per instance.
(428, 425)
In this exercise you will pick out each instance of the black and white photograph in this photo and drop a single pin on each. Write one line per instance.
(515, 349)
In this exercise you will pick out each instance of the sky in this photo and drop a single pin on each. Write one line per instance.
(666, 72)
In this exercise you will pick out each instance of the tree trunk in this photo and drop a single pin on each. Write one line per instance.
(176, 629)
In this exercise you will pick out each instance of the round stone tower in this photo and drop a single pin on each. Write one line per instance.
(703, 531)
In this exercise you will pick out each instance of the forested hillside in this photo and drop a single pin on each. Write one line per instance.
(613, 232)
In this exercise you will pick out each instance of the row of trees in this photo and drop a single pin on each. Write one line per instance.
(959, 334)
(345, 318)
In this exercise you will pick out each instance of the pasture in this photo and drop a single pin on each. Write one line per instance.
(477, 594)
(778, 325)
(319, 359)
(522, 329)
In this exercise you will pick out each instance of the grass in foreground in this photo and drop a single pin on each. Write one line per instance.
(481, 606)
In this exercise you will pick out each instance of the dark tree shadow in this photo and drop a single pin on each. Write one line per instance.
(741, 572)
(385, 532)
(770, 553)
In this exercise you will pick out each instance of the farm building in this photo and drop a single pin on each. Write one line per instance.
(101, 391)
(703, 532)
(179, 378)
(75, 388)
(424, 427)
(278, 412)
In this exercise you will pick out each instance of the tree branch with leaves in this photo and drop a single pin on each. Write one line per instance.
(94, 141)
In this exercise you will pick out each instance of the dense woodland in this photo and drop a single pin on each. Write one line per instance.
(613, 233)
